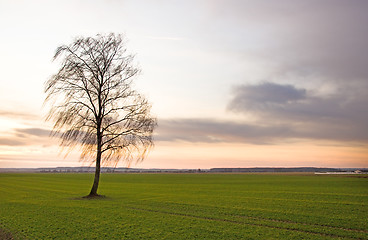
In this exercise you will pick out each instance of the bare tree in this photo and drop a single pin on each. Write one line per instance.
(93, 105)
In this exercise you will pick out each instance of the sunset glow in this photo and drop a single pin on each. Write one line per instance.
(232, 83)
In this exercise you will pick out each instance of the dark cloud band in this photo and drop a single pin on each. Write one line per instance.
(207, 130)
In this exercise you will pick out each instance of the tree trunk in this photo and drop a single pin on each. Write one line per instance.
(99, 148)
(97, 175)
(98, 167)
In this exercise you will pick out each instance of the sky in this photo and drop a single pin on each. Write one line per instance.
(232, 83)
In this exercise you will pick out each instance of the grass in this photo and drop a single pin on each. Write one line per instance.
(184, 206)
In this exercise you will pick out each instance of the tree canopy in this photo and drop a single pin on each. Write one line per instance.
(94, 106)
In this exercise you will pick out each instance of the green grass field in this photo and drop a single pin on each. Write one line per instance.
(185, 206)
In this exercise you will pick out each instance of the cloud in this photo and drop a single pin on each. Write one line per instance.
(316, 76)
(268, 132)
(34, 131)
(17, 115)
(265, 95)
(313, 56)
(207, 130)
(26, 137)
(265, 100)
(10, 142)
(340, 116)
(331, 45)
(327, 38)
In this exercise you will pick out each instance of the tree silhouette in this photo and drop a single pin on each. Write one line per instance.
(94, 106)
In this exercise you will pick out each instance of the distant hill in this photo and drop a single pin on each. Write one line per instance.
(92, 169)
(271, 169)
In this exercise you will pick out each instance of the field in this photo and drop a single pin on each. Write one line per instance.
(185, 206)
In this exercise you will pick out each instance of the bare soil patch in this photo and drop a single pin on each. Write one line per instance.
(5, 235)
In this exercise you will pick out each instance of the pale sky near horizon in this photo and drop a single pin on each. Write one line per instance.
(233, 83)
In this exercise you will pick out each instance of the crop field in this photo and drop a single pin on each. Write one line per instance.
(184, 206)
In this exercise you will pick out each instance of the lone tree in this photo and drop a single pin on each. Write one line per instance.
(93, 105)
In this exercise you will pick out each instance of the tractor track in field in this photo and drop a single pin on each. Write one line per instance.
(258, 225)
(293, 222)
(305, 224)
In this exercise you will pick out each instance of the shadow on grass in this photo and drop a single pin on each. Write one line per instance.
(92, 197)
